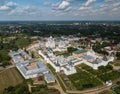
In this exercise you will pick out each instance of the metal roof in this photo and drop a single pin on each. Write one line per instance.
(41, 68)
(79, 51)
(16, 57)
(88, 57)
(49, 76)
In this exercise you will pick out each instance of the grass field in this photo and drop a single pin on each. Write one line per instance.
(10, 77)
(64, 53)
(116, 64)
(107, 92)
(104, 73)
(82, 80)
(67, 82)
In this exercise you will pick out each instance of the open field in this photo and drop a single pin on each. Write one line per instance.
(10, 77)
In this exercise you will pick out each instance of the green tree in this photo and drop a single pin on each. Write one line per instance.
(71, 49)
(118, 55)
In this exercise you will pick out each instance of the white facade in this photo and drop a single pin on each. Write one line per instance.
(50, 42)
(93, 60)
(59, 63)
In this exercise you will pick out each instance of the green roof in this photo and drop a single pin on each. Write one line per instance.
(79, 51)
(58, 39)
(49, 49)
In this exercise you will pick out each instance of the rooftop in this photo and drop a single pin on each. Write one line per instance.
(30, 68)
(49, 77)
(79, 51)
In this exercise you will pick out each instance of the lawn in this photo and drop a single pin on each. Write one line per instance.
(104, 73)
(67, 82)
(107, 92)
(110, 76)
(82, 80)
(116, 64)
(10, 77)
(100, 71)
(64, 53)
(43, 89)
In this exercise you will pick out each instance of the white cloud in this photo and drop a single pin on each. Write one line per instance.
(8, 6)
(2, 8)
(115, 9)
(89, 2)
(73, 0)
(63, 5)
(87, 6)
(27, 10)
(11, 4)
(55, 4)
(68, 9)
(84, 8)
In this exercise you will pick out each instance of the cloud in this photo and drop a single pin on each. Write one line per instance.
(73, 0)
(89, 2)
(63, 5)
(46, 3)
(85, 8)
(64, 9)
(8, 6)
(27, 10)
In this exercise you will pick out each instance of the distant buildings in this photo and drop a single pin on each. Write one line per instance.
(16, 57)
(57, 44)
(50, 42)
(19, 56)
(24, 54)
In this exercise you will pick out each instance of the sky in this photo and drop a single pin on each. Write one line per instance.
(44, 10)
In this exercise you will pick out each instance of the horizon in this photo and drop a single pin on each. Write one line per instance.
(59, 20)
